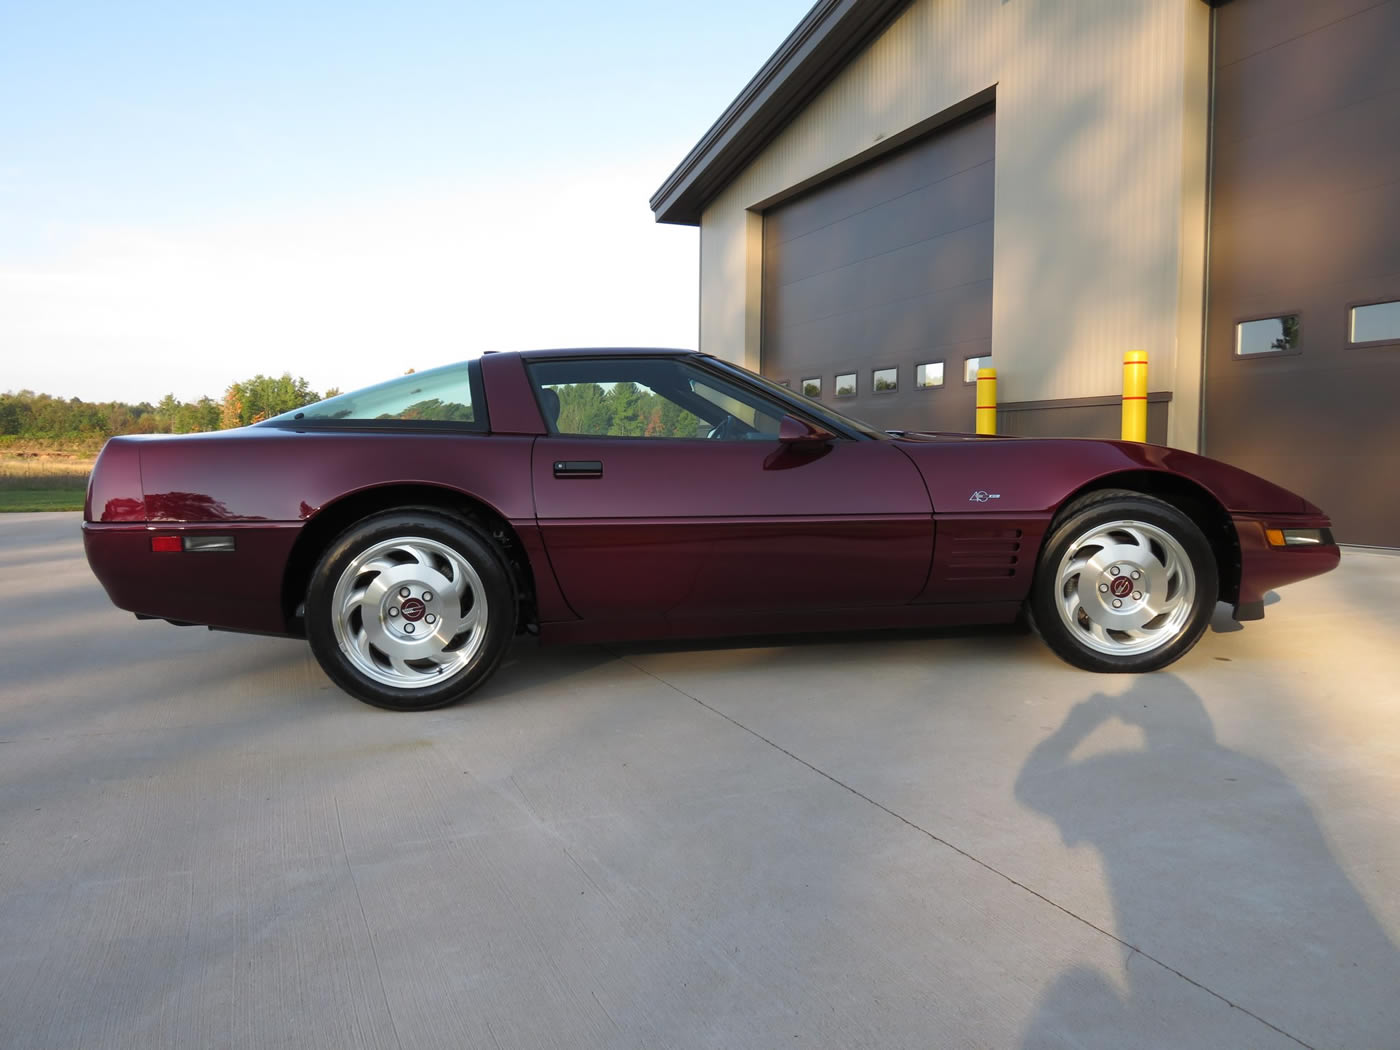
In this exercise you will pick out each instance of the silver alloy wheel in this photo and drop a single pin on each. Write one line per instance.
(1125, 587)
(409, 612)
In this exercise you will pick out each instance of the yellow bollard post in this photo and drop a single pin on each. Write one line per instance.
(986, 401)
(1135, 395)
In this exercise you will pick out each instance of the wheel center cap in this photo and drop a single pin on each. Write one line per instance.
(413, 609)
(1121, 587)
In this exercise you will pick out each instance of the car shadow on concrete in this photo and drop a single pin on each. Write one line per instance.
(1218, 870)
(991, 632)
(1223, 621)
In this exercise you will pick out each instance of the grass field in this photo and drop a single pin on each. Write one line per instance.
(43, 480)
(18, 500)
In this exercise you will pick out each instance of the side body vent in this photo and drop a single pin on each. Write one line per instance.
(980, 557)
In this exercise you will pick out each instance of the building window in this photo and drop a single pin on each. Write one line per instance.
(1375, 323)
(885, 380)
(930, 374)
(972, 364)
(812, 387)
(1267, 335)
(846, 385)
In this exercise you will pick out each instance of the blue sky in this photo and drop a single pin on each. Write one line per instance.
(190, 192)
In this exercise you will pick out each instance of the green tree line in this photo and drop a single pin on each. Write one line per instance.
(585, 408)
(27, 417)
(626, 410)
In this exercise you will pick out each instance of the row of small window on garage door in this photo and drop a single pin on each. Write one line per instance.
(927, 376)
(1367, 324)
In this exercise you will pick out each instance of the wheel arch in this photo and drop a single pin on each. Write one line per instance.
(1188, 496)
(335, 517)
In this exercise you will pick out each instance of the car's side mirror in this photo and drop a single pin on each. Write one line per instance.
(793, 431)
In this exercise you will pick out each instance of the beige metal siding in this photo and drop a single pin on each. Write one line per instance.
(1097, 156)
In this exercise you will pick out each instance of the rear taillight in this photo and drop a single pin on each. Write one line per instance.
(191, 542)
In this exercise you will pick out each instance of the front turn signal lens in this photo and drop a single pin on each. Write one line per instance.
(1298, 537)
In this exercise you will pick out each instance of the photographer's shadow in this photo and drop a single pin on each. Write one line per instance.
(1218, 868)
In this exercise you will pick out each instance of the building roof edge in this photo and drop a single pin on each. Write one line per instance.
(829, 36)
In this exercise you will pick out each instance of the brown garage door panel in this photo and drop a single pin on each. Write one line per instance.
(926, 214)
(895, 333)
(937, 270)
(951, 261)
(1251, 181)
(1284, 256)
(1256, 27)
(1339, 64)
(888, 179)
(1338, 412)
(1305, 218)
(888, 266)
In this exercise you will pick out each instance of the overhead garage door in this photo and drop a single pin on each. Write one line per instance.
(882, 279)
(1303, 355)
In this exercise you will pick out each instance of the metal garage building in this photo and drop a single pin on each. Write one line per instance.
(906, 189)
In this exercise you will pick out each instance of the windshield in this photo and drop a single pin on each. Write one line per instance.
(815, 409)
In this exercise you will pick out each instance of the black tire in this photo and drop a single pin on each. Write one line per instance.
(1162, 524)
(367, 653)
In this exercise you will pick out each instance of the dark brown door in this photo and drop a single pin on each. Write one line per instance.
(887, 267)
(1305, 225)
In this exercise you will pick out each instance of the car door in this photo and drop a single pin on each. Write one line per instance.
(663, 491)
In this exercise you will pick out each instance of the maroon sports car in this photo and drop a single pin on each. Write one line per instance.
(411, 529)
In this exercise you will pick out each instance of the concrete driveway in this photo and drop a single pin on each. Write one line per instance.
(897, 841)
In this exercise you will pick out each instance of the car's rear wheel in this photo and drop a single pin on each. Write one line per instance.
(1126, 583)
(410, 610)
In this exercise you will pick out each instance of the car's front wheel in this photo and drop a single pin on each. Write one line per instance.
(410, 610)
(1126, 583)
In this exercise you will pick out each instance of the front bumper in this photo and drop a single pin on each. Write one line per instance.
(1265, 566)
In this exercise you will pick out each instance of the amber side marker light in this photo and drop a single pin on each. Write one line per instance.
(1298, 537)
(175, 544)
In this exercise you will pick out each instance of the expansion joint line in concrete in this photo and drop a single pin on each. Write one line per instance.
(364, 917)
(962, 852)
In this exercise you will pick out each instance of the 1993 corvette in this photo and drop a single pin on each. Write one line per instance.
(409, 530)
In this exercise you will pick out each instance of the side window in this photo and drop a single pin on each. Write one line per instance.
(616, 408)
(756, 413)
(436, 397)
(648, 398)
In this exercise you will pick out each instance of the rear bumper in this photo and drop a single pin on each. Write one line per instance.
(1264, 567)
(240, 590)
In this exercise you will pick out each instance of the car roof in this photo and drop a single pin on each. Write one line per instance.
(595, 351)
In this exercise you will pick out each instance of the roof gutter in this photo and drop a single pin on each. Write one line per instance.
(824, 42)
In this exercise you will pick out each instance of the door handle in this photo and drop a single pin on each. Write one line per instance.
(578, 468)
